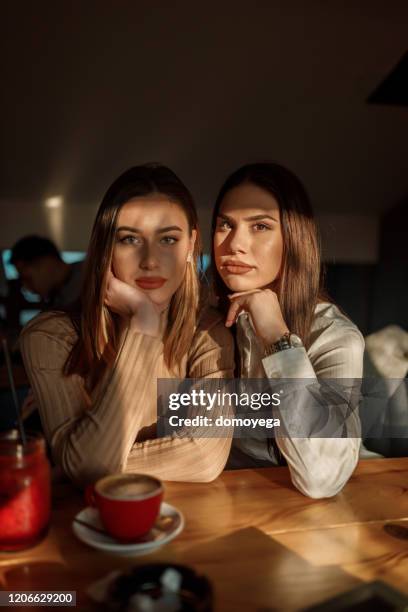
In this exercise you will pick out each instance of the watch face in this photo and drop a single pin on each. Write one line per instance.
(295, 341)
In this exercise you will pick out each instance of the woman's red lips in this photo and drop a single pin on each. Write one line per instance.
(150, 282)
(236, 267)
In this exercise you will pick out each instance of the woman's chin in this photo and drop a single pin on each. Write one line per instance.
(237, 284)
(160, 300)
(158, 296)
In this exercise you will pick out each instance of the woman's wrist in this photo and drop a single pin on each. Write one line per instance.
(287, 341)
(145, 321)
(275, 335)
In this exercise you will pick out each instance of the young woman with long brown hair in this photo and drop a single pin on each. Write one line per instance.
(94, 369)
(266, 270)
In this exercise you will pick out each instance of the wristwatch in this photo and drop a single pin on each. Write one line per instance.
(287, 341)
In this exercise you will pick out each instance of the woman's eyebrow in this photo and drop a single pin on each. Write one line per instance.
(127, 228)
(226, 217)
(260, 217)
(136, 230)
(170, 228)
(252, 218)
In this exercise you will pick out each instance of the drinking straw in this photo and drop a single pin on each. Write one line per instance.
(13, 391)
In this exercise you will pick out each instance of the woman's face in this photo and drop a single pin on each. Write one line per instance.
(248, 242)
(152, 245)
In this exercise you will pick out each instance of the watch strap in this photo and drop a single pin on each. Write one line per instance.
(280, 345)
(287, 341)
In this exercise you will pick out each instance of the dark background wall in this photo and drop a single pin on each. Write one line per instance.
(90, 88)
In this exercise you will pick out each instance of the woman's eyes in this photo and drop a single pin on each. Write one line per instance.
(257, 227)
(261, 227)
(136, 240)
(131, 239)
(223, 225)
(168, 240)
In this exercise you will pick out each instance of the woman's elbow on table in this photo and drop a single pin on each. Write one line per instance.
(317, 488)
(84, 467)
(209, 473)
(212, 459)
(327, 476)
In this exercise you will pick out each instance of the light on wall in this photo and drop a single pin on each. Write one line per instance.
(54, 202)
(55, 213)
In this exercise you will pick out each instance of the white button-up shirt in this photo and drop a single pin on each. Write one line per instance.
(319, 466)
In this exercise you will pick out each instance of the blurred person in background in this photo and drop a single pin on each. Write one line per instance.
(42, 271)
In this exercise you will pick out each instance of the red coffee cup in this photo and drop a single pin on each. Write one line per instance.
(128, 504)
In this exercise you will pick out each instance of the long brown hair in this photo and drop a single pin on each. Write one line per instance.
(97, 327)
(299, 283)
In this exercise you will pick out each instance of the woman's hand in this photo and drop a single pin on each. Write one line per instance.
(264, 308)
(131, 303)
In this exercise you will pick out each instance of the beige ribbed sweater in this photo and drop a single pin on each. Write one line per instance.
(109, 430)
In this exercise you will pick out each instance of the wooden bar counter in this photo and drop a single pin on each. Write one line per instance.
(263, 545)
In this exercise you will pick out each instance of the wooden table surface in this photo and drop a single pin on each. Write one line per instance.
(263, 545)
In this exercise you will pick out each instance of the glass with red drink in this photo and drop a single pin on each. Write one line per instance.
(25, 491)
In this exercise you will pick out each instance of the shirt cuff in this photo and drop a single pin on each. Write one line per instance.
(290, 363)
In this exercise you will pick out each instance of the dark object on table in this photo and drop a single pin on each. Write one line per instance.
(161, 586)
(376, 596)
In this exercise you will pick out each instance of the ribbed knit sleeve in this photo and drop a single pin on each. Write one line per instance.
(90, 438)
(194, 459)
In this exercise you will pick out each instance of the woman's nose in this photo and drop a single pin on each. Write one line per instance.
(149, 259)
(237, 241)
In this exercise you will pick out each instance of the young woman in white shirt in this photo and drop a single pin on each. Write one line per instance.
(267, 278)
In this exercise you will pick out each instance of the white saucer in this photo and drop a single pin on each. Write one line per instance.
(168, 525)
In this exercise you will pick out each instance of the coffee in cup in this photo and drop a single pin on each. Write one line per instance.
(128, 504)
(125, 488)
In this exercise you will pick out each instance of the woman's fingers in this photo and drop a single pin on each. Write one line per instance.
(233, 312)
(127, 300)
(108, 287)
(238, 301)
(121, 297)
(234, 296)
